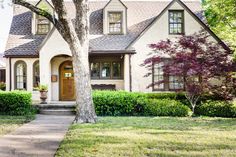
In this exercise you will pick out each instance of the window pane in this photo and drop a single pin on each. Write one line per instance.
(176, 22)
(176, 82)
(106, 70)
(158, 75)
(43, 28)
(36, 75)
(116, 69)
(20, 76)
(95, 70)
(115, 22)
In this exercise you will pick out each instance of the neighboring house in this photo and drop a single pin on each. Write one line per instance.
(2, 69)
(119, 36)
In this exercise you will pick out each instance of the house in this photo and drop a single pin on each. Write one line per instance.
(120, 32)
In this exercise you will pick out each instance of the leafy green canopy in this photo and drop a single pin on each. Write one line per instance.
(221, 16)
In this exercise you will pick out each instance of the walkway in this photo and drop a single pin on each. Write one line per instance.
(39, 138)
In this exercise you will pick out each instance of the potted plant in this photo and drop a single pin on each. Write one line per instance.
(43, 89)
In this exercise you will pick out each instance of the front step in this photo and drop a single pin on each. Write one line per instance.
(56, 108)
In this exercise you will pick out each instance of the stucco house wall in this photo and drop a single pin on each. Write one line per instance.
(158, 31)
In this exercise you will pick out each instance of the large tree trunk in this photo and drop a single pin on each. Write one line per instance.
(77, 39)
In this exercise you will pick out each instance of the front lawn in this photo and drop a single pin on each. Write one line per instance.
(10, 123)
(151, 136)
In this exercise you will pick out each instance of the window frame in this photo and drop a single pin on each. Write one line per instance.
(182, 22)
(153, 79)
(121, 23)
(111, 77)
(24, 76)
(36, 62)
(38, 17)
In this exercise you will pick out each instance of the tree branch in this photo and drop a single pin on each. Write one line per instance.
(38, 11)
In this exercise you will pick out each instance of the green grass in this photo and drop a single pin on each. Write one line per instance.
(151, 137)
(10, 123)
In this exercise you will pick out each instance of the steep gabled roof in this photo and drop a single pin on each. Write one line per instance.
(140, 15)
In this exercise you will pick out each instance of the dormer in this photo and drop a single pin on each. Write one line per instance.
(40, 24)
(115, 18)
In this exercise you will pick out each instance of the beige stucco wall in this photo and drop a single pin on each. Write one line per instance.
(114, 6)
(158, 31)
(29, 63)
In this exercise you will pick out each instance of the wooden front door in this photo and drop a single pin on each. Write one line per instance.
(67, 86)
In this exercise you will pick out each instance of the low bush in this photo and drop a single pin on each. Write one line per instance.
(16, 103)
(120, 103)
(166, 107)
(216, 109)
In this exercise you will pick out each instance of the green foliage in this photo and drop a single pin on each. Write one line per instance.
(16, 103)
(216, 109)
(166, 107)
(221, 16)
(2, 86)
(43, 88)
(113, 103)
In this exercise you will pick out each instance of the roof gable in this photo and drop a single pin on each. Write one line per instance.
(196, 16)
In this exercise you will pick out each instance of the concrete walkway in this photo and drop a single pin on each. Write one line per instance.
(39, 138)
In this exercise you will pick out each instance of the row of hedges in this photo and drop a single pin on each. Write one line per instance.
(16, 103)
(112, 103)
(121, 103)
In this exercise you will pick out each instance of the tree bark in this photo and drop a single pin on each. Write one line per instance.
(78, 42)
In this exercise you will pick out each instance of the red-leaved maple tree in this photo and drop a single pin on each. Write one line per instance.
(204, 66)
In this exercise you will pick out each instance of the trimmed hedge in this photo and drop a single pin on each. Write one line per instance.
(121, 103)
(216, 109)
(16, 103)
(166, 107)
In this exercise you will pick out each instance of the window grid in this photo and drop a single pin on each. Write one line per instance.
(176, 22)
(21, 75)
(105, 70)
(43, 25)
(115, 22)
(158, 75)
(36, 75)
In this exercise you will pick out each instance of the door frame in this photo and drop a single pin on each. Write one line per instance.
(59, 79)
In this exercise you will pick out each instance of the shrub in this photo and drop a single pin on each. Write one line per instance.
(166, 107)
(216, 109)
(2, 86)
(121, 103)
(16, 103)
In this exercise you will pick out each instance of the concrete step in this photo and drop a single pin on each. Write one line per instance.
(57, 111)
(55, 106)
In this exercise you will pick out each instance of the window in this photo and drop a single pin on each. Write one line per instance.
(105, 70)
(95, 70)
(36, 75)
(116, 69)
(158, 75)
(20, 75)
(176, 22)
(43, 25)
(176, 82)
(2, 75)
(115, 22)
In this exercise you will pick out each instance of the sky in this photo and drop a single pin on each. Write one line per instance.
(6, 11)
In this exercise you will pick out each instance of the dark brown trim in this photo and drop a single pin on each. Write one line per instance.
(112, 52)
(21, 56)
(10, 75)
(182, 22)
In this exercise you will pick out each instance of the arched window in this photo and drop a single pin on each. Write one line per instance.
(36, 75)
(20, 75)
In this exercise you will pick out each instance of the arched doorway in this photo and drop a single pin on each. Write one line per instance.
(67, 86)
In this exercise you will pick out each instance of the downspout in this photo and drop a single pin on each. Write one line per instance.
(130, 74)
(10, 73)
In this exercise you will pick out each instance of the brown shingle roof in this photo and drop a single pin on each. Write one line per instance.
(21, 42)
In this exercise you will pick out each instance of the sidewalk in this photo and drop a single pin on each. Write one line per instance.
(39, 138)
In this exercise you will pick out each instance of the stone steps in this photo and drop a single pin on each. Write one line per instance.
(57, 108)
